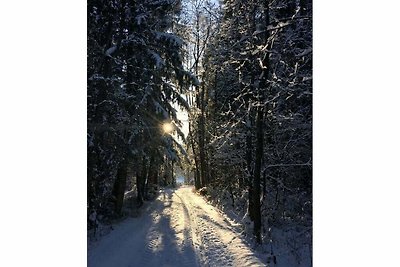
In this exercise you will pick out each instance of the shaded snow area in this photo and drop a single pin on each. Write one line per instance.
(178, 229)
(284, 245)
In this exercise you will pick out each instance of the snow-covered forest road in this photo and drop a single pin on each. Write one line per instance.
(178, 229)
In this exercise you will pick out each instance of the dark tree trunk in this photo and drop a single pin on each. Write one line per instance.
(263, 86)
(257, 174)
(249, 137)
(264, 184)
(140, 182)
(144, 177)
(249, 160)
(173, 181)
(139, 179)
(119, 186)
(197, 184)
(152, 176)
(203, 178)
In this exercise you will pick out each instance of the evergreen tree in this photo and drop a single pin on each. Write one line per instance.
(135, 73)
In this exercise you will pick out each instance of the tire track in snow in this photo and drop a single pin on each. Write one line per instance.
(152, 239)
(190, 237)
(169, 241)
(213, 252)
(219, 244)
(190, 257)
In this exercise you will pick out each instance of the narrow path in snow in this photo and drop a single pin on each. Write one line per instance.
(179, 229)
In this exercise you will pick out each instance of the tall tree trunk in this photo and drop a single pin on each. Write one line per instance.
(263, 86)
(152, 173)
(119, 186)
(201, 151)
(140, 182)
(197, 184)
(144, 176)
(139, 197)
(249, 161)
(250, 119)
(257, 174)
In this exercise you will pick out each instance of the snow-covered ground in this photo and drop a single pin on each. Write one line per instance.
(178, 229)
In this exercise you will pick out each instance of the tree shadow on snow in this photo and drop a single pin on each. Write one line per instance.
(165, 245)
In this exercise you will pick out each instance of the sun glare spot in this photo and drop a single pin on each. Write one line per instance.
(168, 127)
